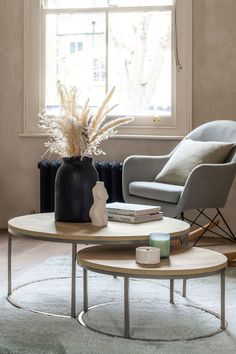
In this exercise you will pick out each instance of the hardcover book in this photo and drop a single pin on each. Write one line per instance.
(135, 219)
(131, 209)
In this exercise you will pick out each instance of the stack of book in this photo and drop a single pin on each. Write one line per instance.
(133, 213)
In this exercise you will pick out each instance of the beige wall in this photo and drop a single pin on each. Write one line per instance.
(214, 95)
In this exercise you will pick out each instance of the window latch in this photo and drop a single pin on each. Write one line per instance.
(156, 120)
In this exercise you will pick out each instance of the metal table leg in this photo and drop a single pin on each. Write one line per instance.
(73, 281)
(172, 291)
(185, 241)
(85, 289)
(184, 287)
(222, 281)
(126, 307)
(9, 264)
(127, 311)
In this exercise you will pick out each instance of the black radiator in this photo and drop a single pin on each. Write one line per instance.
(110, 172)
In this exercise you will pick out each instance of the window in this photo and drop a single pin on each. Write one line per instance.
(99, 73)
(75, 47)
(141, 47)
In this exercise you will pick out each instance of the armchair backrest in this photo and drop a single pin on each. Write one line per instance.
(219, 130)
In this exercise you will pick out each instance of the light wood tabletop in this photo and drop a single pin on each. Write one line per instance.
(43, 226)
(182, 262)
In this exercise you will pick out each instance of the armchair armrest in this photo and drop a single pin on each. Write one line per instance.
(141, 168)
(207, 186)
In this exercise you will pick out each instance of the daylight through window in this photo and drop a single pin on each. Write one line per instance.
(111, 46)
(97, 44)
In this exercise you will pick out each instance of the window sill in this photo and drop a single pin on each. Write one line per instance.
(148, 137)
(118, 136)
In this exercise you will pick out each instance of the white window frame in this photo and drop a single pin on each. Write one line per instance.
(161, 128)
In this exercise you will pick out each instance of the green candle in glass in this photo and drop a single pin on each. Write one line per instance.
(162, 241)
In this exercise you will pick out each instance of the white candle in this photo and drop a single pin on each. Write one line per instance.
(147, 255)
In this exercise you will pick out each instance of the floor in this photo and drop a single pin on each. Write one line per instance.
(29, 253)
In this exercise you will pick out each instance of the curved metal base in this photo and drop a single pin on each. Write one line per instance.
(83, 323)
(18, 305)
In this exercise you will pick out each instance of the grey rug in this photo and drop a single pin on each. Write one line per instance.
(151, 315)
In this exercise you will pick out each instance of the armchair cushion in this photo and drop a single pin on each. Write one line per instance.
(190, 154)
(156, 191)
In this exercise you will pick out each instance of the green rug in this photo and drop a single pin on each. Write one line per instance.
(152, 316)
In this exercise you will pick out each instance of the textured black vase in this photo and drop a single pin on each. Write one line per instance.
(74, 182)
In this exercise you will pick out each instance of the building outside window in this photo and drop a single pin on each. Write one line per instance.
(75, 47)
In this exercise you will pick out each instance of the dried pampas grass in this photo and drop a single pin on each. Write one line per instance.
(76, 133)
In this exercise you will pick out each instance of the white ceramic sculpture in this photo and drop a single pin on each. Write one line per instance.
(98, 211)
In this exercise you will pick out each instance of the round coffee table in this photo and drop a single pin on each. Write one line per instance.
(43, 227)
(183, 263)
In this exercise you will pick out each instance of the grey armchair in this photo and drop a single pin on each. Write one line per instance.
(207, 186)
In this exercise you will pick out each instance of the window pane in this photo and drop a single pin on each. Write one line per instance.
(140, 62)
(75, 54)
(73, 4)
(63, 4)
(141, 2)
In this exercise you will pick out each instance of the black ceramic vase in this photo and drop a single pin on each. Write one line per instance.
(74, 182)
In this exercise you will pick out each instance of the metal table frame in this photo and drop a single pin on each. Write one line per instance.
(73, 275)
(73, 313)
(126, 277)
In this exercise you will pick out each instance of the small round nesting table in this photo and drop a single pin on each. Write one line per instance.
(183, 263)
(43, 227)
